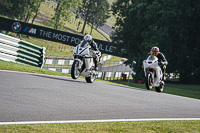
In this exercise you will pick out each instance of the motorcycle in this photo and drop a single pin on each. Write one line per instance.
(153, 74)
(83, 64)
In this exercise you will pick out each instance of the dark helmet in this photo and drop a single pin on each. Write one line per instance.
(154, 51)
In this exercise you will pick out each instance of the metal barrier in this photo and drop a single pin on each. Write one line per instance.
(108, 69)
(15, 50)
(66, 60)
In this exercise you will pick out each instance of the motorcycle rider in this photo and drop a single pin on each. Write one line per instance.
(161, 59)
(96, 52)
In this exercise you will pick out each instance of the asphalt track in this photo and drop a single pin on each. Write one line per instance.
(36, 97)
(107, 29)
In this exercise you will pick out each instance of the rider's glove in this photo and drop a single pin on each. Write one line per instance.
(164, 67)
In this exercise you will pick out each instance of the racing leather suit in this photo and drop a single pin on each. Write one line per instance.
(162, 61)
(97, 55)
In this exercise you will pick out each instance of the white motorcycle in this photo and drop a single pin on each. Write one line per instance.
(153, 74)
(83, 64)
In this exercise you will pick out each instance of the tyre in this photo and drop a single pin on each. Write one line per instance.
(149, 81)
(74, 70)
(160, 88)
(90, 79)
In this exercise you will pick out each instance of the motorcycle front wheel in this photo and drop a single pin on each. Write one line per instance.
(149, 81)
(74, 70)
(160, 88)
(90, 79)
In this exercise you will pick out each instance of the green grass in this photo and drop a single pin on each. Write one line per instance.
(110, 63)
(25, 68)
(69, 26)
(52, 48)
(192, 91)
(115, 59)
(183, 90)
(108, 127)
(47, 7)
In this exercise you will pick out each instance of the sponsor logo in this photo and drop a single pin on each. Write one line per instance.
(16, 26)
(30, 30)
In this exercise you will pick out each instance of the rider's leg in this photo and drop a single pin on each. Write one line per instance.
(95, 62)
(163, 71)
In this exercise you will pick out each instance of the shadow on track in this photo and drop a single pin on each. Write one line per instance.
(57, 78)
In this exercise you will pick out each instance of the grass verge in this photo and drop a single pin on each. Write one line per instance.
(148, 126)
(192, 91)
(24, 68)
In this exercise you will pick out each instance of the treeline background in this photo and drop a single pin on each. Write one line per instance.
(172, 25)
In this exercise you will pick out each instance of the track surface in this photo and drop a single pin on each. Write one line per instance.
(34, 97)
(107, 29)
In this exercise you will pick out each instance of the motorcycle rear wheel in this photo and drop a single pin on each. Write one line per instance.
(74, 70)
(149, 81)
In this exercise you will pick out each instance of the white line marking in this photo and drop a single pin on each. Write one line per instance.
(87, 121)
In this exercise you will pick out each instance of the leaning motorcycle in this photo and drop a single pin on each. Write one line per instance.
(153, 74)
(83, 64)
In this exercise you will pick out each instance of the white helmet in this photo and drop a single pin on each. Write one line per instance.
(87, 38)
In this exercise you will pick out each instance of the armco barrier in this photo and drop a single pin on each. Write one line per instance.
(112, 71)
(101, 75)
(15, 50)
(55, 60)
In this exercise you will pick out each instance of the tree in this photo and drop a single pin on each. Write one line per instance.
(128, 33)
(36, 9)
(22, 10)
(95, 13)
(172, 25)
(10, 8)
(85, 11)
(63, 11)
(98, 14)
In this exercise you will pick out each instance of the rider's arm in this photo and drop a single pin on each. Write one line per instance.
(94, 46)
(163, 59)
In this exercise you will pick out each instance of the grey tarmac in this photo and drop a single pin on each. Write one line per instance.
(38, 97)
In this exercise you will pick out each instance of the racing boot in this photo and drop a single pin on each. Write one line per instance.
(96, 67)
(163, 78)
(163, 70)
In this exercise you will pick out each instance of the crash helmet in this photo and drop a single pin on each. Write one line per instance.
(87, 38)
(154, 51)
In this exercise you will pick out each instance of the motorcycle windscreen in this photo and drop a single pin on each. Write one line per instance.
(152, 57)
(84, 43)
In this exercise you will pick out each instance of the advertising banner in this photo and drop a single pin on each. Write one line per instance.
(52, 34)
